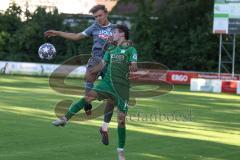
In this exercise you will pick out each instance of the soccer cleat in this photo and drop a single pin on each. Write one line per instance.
(88, 109)
(104, 135)
(121, 154)
(60, 122)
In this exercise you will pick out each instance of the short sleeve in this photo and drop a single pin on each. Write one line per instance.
(133, 55)
(88, 31)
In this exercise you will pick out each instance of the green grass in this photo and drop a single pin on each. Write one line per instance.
(212, 132)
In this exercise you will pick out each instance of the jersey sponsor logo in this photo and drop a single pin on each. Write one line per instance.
(118, 57)
(105, 34)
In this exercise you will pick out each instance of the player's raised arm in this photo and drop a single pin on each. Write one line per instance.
(71, 36)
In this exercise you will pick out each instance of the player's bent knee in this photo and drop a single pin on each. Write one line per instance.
(121, 124)
(110, 101)
(90, 96)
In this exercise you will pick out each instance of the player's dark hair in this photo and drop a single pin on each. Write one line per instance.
(124, 29)
(98, 7)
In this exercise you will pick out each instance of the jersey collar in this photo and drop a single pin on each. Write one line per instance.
(109, 23)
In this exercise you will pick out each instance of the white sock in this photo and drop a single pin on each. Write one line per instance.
(105, 126)
(120, 149)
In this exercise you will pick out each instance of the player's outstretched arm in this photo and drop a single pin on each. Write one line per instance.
(71, 36)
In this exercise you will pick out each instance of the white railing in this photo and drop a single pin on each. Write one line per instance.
(36, 69)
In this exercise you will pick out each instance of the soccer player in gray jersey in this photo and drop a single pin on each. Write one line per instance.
(101, 32)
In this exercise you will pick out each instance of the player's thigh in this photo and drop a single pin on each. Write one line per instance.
(91, 96)
(104, 87)
(92, 62)
(90, 77)
(122, 104)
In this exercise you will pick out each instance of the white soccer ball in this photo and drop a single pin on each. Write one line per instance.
(47, 51)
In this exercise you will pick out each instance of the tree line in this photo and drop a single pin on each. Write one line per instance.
(177, 34)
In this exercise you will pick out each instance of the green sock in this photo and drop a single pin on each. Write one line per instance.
(75, 107)
(121, 137)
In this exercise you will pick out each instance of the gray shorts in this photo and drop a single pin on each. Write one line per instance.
(92, 62)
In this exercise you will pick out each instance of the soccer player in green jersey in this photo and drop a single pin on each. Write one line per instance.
(119, 58)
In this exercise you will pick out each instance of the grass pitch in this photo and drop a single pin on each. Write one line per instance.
(180, 125)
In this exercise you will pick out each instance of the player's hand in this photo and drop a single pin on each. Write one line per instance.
(51, 33)
(133, 67)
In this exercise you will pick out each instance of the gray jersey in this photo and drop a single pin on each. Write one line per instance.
(100, 34)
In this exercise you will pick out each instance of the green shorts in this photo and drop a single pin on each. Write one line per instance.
(105, 90)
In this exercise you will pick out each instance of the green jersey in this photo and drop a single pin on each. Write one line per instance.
(116, 77)
(118, 59)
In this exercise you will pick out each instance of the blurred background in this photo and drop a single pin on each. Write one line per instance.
(177, 33)
(176, 123)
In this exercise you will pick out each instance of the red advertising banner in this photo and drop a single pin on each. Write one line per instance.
(229, 86)
(179, 77)
(183, 77)
(176, 77)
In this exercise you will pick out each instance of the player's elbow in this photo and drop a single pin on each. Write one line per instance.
(78, 36)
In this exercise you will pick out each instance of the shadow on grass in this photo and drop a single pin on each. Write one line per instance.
(35, 138)
(30, 136)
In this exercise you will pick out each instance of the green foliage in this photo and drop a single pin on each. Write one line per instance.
(186, 40)
(178, 33)
(20, 40)
(10, 20)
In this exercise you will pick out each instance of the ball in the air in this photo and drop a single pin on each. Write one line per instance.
(47, 51)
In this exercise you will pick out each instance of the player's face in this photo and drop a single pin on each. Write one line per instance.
(117, 35)
(101, 17)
